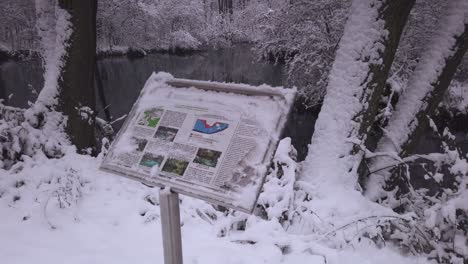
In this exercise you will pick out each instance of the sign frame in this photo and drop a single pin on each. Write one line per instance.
(216, 87)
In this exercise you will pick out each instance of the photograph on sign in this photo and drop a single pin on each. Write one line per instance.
(212, 143)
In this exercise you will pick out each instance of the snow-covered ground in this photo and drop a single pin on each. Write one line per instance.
(67, 211)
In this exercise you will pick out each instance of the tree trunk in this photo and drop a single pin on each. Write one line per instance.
(357, 78)
(76, 91)
(429, 82)
(225, 7)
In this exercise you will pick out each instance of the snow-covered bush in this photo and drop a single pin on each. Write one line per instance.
(169, 24)
(433, 190)
(183, 40)
(28, 132)
(277, 197)
(145, 24)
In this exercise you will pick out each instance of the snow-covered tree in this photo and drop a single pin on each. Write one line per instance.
(391, 182)
(356, 82)
(426, 87)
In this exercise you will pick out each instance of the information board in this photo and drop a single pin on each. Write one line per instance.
(212, 141)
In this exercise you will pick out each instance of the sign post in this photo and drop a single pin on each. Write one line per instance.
(208, 140)
(170, 226)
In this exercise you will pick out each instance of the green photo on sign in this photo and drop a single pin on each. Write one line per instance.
(207, 157)
(175, 166)
(151, 117)
(166, 133)
(150, 160)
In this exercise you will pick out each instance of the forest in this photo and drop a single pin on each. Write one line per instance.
(372, 166)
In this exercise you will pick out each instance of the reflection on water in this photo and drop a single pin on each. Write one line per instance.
(20, 81)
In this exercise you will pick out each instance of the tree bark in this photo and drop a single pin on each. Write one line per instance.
(394, 14)
(429, 82)
(76, 90)
(432, 99)
(225, 7)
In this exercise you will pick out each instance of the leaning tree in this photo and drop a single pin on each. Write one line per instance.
(356, 82)
(340, 142)
(426, 87)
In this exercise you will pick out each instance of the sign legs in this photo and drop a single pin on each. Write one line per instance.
(170, 224)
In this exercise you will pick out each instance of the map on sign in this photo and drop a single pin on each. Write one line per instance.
(208, 140)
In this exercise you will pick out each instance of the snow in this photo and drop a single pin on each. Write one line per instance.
(66, 210)
(460, 167)
(126, 144)
(420, 85)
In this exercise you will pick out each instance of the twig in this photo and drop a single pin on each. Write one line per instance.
(363, 220)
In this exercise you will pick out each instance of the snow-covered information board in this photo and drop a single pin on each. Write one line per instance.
(208, 140)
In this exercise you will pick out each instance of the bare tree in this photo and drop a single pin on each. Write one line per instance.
(225, 7)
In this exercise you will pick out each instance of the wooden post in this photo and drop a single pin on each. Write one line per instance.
(170, 224)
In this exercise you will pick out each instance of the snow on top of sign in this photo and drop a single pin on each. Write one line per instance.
(125, 144)
(248, 195)
(287, 93)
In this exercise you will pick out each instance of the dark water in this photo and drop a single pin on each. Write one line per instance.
(20, 81)
(122, 79)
